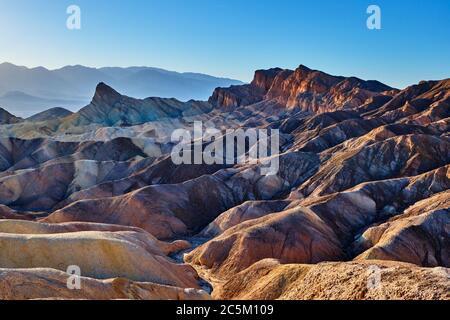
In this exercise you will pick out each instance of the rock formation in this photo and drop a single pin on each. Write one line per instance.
(8, 118)
(50, 114)
(45, 283)
(270, 280)
(304, 89)
(363, 184)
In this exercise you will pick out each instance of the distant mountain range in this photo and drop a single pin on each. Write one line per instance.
(26, 91)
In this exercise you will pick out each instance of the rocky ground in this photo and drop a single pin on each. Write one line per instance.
(363, 183)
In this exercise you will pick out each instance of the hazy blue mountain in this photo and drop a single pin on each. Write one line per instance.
(25, 105)
(38, 82)
(26, 91)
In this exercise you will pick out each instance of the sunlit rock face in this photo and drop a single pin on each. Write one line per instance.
(98, 252)
(269, 280)
(304, 89)
(363, 181)
(46, 283)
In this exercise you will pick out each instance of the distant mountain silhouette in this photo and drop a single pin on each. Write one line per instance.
(26, 91)
(25, 105)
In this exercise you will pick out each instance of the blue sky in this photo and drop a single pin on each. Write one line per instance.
(233, 38)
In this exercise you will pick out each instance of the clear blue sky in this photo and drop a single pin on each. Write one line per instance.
(234, 37)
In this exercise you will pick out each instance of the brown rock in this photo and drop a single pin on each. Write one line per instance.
(419, 236)
(294, 236)
(270, 280)
(24, 284)
(100, 254)
(247, 211)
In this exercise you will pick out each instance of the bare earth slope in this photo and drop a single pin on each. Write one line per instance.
(363, 182)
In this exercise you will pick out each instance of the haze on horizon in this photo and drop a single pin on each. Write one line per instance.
(233, 38)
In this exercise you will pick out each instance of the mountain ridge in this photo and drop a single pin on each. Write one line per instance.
(304, 89)
(72, 86)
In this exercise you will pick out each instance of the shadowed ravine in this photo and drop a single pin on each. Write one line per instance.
(195, 242)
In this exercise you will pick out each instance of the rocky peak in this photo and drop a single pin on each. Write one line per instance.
(236, 96)
(263, 79)
(303, 72)
(304, 68)
(104, 93)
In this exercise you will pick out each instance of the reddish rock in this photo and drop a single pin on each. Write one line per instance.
(293, 236)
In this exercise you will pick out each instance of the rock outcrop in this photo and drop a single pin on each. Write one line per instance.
(50, 114)
(270, 280)
(8, 118)
(236, 96)
(296, 235)
(45, 283)
(110, 108)
(100, 254)
(247, 211)
(417, 236)
(303, 89)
